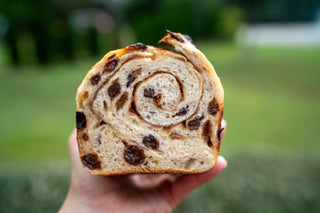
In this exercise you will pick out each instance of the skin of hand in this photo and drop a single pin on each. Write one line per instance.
(129, 193)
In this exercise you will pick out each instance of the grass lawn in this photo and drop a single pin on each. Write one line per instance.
(271, 105)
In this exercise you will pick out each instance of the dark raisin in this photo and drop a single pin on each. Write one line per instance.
(194, 124)
(182, 111)
(213, 107)
(85, 137)
(102, 123)
(209, 143)
(134, 155)
(95, 79)
(114, 90)
(184, 124)
(219, 133)
(122, 100)
(137, 46)
(151, 141)
(91, 161)
(157, 99)
(131, 77)
(148, 93)
(207, 130)
(81, 120)
(111, 64)
(133, 108)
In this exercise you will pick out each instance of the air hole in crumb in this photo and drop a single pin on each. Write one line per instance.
(105, 106)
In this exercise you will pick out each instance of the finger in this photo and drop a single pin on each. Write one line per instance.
(179, 189)
(77, 170)
(73, 151)
(145, 181)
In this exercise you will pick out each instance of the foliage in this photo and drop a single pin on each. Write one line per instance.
(279, 10)
(201, 18)
(47, 24)
(30, 189)
(251, 183)
(260, 183)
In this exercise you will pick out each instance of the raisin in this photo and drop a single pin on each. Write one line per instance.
(123, 98)
(195, 123)
(182, 111)
(133, 108)
(213, 107)
(209, 143)
(81, 120)
(134, 155)
(219, 133)
(111, 64)
(91, 161)
(148, 93)
(95, 79)
(207, 130)
(157, 99)
(85, 137)
(137, 46)
(114, 90)
(151, 141)
(131, 77)
(102, 123)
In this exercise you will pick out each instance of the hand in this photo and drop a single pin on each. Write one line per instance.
(129, 193)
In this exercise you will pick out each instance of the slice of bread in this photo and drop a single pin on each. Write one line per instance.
(143, 109)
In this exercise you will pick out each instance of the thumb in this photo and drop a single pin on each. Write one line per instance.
(182, 186)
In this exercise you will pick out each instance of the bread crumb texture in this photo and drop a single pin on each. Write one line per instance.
(143, 109)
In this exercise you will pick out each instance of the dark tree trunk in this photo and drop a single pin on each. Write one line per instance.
(11, 42)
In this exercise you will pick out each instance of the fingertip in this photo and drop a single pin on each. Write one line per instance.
(221, 164)
(223, 127)
(223, 123)
(221, 160)
(184, 184)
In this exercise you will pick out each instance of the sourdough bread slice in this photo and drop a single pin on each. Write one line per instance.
(143, 109)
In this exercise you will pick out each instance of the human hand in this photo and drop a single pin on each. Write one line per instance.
(129, 193)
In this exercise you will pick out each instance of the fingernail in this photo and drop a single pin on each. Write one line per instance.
(222, 159)
(223, 123)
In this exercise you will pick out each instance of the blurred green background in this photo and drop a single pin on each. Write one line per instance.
(267, 54)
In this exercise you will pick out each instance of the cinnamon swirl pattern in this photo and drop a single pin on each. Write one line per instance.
(143, 109)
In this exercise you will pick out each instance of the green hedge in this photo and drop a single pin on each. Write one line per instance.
(201, 19)
(251, 183)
